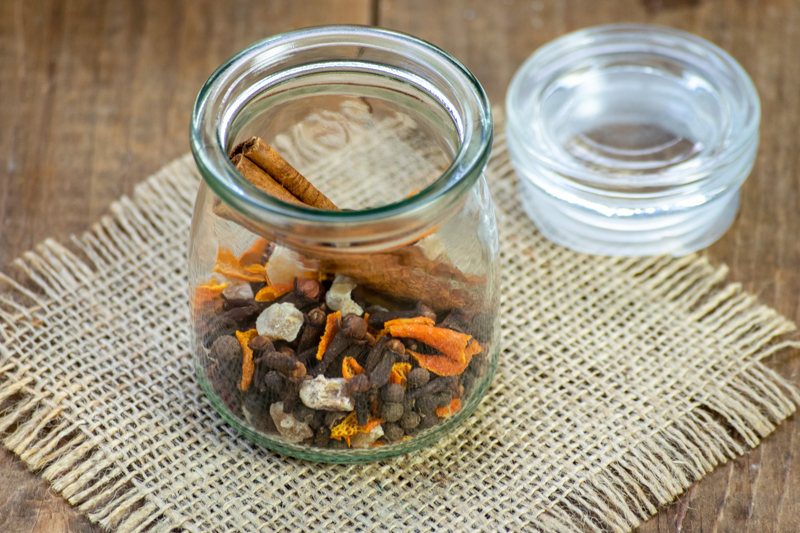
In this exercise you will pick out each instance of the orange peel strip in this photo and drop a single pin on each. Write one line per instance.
(440, 365)
(228, 265)
(270, 292)
(400, 373)
(248, 367)
(450, 410)
(205, 293)
(331, 328)
(451, 343)
(254, 254)
(349, 427)
(416, 320)
(350, 368)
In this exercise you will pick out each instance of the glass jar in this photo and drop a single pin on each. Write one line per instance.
(355, 334)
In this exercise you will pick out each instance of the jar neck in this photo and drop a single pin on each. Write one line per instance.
(363, 59)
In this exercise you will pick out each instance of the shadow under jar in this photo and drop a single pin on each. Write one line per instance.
(355, 334)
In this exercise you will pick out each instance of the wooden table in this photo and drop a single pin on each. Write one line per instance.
(96, 95)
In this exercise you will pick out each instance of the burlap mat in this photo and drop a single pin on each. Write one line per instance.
(621, 381)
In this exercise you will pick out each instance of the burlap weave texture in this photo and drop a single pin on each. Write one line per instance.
(621, 381)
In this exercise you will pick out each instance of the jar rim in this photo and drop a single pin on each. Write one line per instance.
(552, 59)
(471, 115)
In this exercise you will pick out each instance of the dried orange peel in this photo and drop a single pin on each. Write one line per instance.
(416, 320)
(349, 427)
(270, 292)
(248, 367)
(441, 365)
(254, 254)
(459, 347)
(399, 321)
(350, 368)
(228, 265)
(206, 292)
(331, 328)
(400, 373)
(450, 410)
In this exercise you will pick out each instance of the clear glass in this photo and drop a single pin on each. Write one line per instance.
(632, 139)
(396, 133)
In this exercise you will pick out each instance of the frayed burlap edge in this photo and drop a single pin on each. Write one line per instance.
(63, 450)
(71, 456)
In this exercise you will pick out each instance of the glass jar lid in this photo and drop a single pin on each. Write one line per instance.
(632, 139)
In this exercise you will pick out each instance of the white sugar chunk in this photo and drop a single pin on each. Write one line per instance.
(280, 321)
(328, 394)
(338, 297)
(289, 427)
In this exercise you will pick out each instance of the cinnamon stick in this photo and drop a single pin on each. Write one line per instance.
(262, 180)
(406, 274)
(262, 154)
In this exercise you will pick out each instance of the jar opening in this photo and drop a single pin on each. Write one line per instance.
(320, 96)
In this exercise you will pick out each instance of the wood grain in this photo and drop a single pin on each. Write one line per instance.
(96, 95)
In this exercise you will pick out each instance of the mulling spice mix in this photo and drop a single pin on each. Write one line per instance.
(336, 352)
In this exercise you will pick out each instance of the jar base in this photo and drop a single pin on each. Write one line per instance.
(584, 231)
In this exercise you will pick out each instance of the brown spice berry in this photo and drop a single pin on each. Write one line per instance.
(417, 378)
(392, 412)
(392, 393)
(410, 420)
(392, 432)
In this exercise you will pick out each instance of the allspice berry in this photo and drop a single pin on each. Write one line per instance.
(417, 378)
(392, 393)
(410, 420)
(392, 432)
(392, 412)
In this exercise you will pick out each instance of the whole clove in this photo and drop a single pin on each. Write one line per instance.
(353, 329)
(359, 383)
(312, 330)
(434, 386)
(285, 364)
(382, 372)
(363, 408)
(291, 396)
(375, 354)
